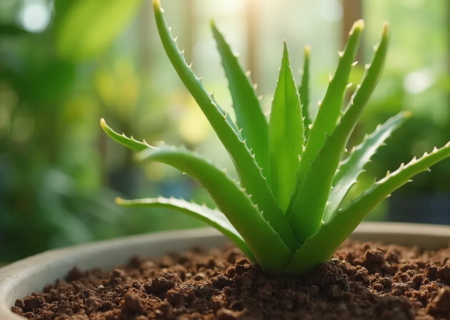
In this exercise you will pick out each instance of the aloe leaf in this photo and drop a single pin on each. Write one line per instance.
(330, 108)
(247, 168)
(267, 246)
(320, 246)
(249, 115)
(213, 112)
(214, 218)
(304, 93)
(278, 222)
(308, 209)
(285, 134)
(123, 139)
(353, 166)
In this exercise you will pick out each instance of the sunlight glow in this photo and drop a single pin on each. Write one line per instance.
(331, 10)
(35, 16)
(419, 81)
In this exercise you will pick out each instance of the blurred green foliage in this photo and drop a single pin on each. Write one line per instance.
(57, 184)
(85, 28)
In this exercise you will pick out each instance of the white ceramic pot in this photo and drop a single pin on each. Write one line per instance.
(32, 274)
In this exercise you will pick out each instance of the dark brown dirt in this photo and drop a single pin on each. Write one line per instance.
(363, 281)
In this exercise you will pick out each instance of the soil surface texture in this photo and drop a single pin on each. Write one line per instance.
(363, 281)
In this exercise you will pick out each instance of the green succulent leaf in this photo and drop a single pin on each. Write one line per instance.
(123, 139)
(304, 92)
(249, 115)
(248, 170)
(358, 209)
(308, 209)
(330, 108)
(213, 112)
(285, 134)
(214, 218)
(318, 248)
(353, 166)
(267, 246)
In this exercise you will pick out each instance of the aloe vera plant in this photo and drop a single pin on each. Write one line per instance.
(286, 211)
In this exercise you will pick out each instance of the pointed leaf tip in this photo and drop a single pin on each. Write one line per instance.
(157, 5)
(357, 26)
(307, 50)
(386, 27)
(122, 138)
(285, 53)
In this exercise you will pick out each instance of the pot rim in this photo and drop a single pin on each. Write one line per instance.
(423, 235)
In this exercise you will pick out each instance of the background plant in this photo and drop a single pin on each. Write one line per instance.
(55, 182)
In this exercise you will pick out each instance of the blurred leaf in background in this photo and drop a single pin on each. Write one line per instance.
(85, 28)
(58, 76)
